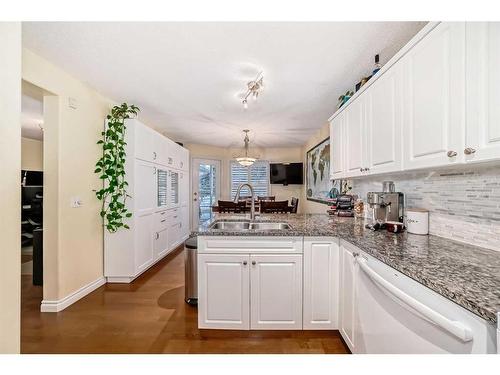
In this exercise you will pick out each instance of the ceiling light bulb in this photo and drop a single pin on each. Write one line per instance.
(245, 104)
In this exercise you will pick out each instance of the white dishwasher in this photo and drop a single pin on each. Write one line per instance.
(395, 314)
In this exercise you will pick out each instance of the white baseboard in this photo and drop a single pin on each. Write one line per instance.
(59, 305)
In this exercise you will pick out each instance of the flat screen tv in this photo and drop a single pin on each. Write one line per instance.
(286, 173)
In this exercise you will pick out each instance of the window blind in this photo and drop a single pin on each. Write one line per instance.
(257, 175)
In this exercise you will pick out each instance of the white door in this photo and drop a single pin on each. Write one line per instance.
(223, 291)
(355, 137)
(206, 189)
(337, 145)
(434, 102)
(348, 295)
(384, 122)
(321, 284)
(483, 92)
(145, 189)
(143, 242)
(276, 291)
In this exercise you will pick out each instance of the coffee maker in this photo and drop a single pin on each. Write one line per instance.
(387, 205)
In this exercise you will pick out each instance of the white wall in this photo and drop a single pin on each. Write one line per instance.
(10, 187)
(73, 238)
(31, 154)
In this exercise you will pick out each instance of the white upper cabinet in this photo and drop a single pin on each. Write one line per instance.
(434, 98)
(144, 141)
(482, 141)
(384, 123)
(337, 147)
(354, 117)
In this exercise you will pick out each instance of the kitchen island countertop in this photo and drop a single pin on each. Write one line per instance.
(465, 274)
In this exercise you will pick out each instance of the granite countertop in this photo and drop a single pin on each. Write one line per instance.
(465, 274)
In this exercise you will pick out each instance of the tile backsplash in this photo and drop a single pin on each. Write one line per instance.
(463, 203)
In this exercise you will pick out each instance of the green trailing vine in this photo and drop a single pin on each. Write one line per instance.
(111, 168)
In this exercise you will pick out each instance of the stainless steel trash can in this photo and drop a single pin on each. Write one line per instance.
(191, 270)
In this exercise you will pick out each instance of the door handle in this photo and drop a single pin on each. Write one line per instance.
(254, 262)
(154, 155)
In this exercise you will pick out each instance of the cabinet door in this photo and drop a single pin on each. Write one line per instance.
(355, 137)
(161, 243)
(145, 187)
(144, 142)
(384, 122)
(321, 284)
(223, 291)
(348, 296)
(143, 242)
(160, 153)
(174, 234)
(276, 291)
(434, 102)
(337, 145)
(483, 92)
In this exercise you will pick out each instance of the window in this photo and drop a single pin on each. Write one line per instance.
(257, 175)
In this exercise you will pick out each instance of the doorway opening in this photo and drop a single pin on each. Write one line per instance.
(31, 179)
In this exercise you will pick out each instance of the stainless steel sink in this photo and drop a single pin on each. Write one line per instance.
(246, 225)
(269, 226)
(231, 225)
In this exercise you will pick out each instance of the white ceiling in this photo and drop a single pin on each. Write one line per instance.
(187, 78)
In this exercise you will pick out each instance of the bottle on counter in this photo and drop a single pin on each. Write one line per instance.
(377, 65)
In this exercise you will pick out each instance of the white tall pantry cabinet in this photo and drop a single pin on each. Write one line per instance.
(157, 171)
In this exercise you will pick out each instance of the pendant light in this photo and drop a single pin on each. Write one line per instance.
(246, 160)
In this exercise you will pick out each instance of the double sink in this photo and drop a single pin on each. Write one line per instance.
(247, 225)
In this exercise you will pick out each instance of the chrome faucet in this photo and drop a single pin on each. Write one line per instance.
(237, 196)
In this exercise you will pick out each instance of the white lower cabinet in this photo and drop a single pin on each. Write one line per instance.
(223, 291)
(348, 308)
(276, 291)
(321, 283)
(144, 242)
(283, 283)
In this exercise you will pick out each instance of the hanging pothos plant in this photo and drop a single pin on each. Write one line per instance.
(111, 168)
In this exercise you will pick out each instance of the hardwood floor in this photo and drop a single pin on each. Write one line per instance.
(149, 316)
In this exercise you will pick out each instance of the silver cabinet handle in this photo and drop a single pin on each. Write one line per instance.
(254, 262)
(361, 169)
(245, 263)
(157, 235)
(355, 254)
(182, 164)
(367, 169)
(162, 221)
(154, 170)
(154, 155)
(451, 154)
(469, 151)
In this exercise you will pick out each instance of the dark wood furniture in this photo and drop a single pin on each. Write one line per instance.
(267, 199)
(294, 205)
(231, 207)
(267, 207)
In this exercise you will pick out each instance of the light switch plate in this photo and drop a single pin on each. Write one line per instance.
(76, 202)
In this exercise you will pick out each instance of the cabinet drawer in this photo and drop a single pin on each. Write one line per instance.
(248, 244)
(161, 221)
(174, 216)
